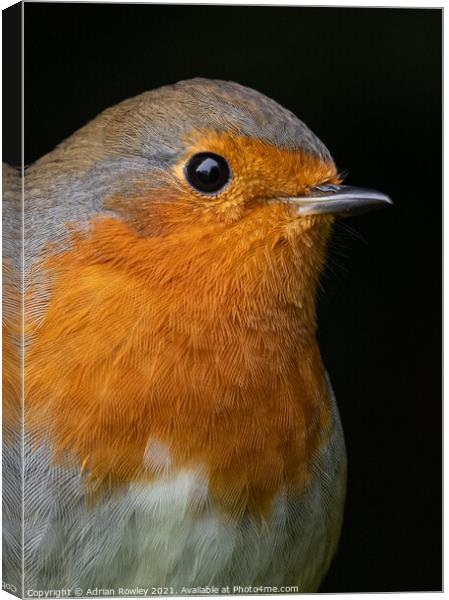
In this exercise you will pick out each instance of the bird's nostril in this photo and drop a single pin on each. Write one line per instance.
(327, 188)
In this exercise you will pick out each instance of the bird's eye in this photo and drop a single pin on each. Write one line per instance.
(207, 172)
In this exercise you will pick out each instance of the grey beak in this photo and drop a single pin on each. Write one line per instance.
(340, 200)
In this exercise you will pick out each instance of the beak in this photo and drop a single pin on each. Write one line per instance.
(340, 200)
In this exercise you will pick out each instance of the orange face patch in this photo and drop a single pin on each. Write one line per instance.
(198, 337)
(260, 172)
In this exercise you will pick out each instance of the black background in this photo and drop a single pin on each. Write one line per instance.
(368, 82)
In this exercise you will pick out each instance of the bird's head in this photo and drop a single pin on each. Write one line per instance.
(217, 150)
(230, 184)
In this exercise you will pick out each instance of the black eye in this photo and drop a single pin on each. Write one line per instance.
(208, 172)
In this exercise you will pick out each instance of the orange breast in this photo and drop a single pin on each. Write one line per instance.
(201, 342)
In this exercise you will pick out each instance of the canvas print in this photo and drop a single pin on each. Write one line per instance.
(171, 425)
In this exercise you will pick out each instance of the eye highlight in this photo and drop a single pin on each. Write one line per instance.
(207, 172)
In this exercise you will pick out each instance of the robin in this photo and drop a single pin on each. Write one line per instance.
(180, 428)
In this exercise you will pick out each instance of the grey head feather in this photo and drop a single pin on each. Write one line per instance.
(152, 125)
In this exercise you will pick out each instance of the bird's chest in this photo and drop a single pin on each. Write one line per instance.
(115, 376)
(213, 435)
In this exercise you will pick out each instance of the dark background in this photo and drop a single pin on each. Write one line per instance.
(368, 82)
